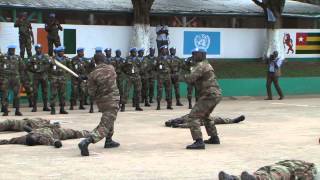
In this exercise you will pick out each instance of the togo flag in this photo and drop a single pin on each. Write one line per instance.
(209, 41)
(68, 39)
(308, 43)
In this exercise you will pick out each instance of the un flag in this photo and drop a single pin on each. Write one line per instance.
(202, 39)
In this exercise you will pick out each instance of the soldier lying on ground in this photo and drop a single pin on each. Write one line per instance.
(50, 136)
(182, 121)
(18, 125)
(283, 170)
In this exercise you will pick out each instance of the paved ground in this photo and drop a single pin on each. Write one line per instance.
(273, 131)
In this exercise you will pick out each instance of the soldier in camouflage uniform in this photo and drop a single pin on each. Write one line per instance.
(175, 66)
(10, 67)
(103, 88)
(188, 63)
(108, 52)
(25, 35)
(1, 81)
(283, 170)
(58, 81)
(117, 63)
(151, 73)
(50, 136)
(18, 125)
(132, 72)
(77, 86)
(182, 121)
(38, 65)
(26, 81)
(202, 74)
(163, 70)
(143, 66)
(52, 27)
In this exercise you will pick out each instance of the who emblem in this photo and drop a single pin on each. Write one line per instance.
(202, 41)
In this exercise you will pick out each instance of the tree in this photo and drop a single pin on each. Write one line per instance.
(141, 27)
(272, 11)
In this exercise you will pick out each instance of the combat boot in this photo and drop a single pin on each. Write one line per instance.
(30, 102)
(225, 176)
(212, 140)
(81, 106)
(83, 146)
(146, 103)
(150, 100)
(133, 103)
(198, 144)
(123, 107)
(239, 119)
(5, 111)
(34, 109)
(246, 176)
(53, 110)
(71, 106)
(169, 105)
(179, 103)
(110, 143)
(45, 108)
(190, 103)
(158, 105)
(138, 108)
(18, 113)
(62, 111)
(91, 108)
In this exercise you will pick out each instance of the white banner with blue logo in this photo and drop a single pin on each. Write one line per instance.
(209, 41)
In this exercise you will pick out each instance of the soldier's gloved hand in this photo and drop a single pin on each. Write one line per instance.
(57, 144)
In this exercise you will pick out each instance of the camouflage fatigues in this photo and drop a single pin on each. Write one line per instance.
(163, 77)
(132, 71)
(58, 81)
(89, 66)
(202, 75)
(108, 60)
(48, 135)
(186, 66)
(17, 125)
(77, 87)
(10, 68)
(26, 82)
(53, 28)
(117, 63)
(25, 34)
(175, 66)
(216, 119)
(38, 65)
(151, 74)
(103, 88)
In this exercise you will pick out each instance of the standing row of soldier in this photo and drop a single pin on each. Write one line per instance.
(137, 71)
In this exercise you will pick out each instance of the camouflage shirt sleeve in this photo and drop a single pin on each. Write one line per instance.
(194, 75)
(92, 86)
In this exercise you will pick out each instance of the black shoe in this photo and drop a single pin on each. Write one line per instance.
(158, 107)
(151, 101)
(146, 104)
(199, 144)
(168, 123)
(281, 98)
(111, 144)
(212, 140)
(62, 111)
(82, 108)
(34, 109)
(18, 113)
(45, 108)
(53, 110)
(225, 176)
(5, 113)
(3, 109)
(83, 146)
(91, 110)
(179, 103)
(246, 176)
(123, 108)
(239, 119)
(138, 108)
(169, 107)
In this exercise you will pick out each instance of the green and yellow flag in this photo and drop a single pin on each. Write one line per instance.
(308, 43)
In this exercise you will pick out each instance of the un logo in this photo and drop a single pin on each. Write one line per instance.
(202, 41)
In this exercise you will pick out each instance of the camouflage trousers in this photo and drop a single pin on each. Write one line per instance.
(18, 125)
(77, 92)
(56, 42)
(25, 44)
(288, 169)
(121, 85)
(8, 84)
(27, 85)
(166, 82)
(58, 88)
(200, 113)
(44, 89)
(190, 88)
(105, 129)
(217, 120)
(175, 83)
(134, 81)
